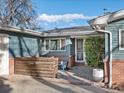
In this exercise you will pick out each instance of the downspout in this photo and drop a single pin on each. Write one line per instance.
(110, 53)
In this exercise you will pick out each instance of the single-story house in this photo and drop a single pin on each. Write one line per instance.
(67, 44)
(15, 42)
(112, 25)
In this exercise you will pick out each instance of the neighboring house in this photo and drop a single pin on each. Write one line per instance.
(112, 25)
(15, 42)
(67, 44)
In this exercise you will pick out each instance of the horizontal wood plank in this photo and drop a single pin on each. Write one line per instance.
(42, 66)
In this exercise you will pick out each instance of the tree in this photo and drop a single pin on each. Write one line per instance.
(17, 13)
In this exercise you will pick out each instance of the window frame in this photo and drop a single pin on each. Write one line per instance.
(60, 40)
(57, 46)
(120, 39)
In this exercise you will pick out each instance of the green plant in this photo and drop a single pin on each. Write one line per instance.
(94, 51)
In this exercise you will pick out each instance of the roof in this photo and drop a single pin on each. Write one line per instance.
(71, 31)
(105, 19)
(62, 32)
(19, 30)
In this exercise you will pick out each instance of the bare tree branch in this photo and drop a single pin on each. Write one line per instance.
(17, 13)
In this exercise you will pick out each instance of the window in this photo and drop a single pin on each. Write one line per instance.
(55, 44)
(121, 39)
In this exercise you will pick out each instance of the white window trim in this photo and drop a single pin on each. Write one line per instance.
(120, 48)
(49, 39)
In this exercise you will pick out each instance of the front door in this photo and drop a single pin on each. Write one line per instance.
(79, 49)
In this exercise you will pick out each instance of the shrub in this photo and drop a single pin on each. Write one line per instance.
(94, 50)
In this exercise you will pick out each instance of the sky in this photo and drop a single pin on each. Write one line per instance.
(68, 13)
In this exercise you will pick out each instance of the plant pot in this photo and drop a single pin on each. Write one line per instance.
(97, 74)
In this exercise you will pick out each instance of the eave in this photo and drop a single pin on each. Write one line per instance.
(105, 19)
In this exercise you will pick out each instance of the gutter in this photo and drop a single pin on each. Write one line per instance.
(97, 28)
(19, 30)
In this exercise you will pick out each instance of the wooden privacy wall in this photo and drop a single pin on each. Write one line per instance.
(36, 66)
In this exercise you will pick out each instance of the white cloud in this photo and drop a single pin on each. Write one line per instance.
(64, 17)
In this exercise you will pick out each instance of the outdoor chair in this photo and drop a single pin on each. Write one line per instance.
(63, 65)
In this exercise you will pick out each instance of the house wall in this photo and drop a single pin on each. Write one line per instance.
(22, 45)
(4, 54)
(72, 47)
(114, 29)
(72, 53)
(117, 55)
(118, 74)
(63, 55)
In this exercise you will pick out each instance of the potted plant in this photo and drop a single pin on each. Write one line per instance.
(94, 51)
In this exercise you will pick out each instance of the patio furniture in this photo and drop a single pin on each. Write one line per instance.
(63, 65)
